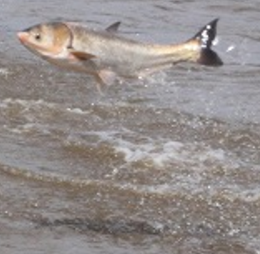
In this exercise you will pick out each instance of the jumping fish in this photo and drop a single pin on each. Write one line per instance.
(106, 55)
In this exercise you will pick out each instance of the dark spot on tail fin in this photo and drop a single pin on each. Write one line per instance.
(205, 37)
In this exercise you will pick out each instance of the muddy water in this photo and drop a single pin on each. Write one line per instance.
(170, 164)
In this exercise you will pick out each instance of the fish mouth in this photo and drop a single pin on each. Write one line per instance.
(23, 37)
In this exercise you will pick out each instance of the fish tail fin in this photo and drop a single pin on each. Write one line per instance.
(205, 37)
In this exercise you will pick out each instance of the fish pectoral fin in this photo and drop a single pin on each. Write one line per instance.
(79, 55)
(114, 27)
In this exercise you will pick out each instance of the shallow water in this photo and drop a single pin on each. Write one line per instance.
(168, 164)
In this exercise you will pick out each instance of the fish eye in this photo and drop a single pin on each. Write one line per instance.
(37, 37)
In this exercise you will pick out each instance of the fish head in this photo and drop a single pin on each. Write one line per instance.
(47, 40)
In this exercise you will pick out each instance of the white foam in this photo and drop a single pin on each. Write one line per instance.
(4, 72)
(26, 104)
(28, 113)
(230, 48)
(161, 153)
(78, 111)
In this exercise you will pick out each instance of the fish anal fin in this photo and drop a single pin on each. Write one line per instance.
(104, 79)
(107, 77)
(114, 27)
(79, 55)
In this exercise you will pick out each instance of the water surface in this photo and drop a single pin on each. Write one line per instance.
(169, 164)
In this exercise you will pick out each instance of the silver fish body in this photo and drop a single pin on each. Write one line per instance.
(107, 55)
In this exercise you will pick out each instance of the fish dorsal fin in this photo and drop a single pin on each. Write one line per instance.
(81, 55)
(114, 27)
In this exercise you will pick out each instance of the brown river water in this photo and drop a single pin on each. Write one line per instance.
(170, 164)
